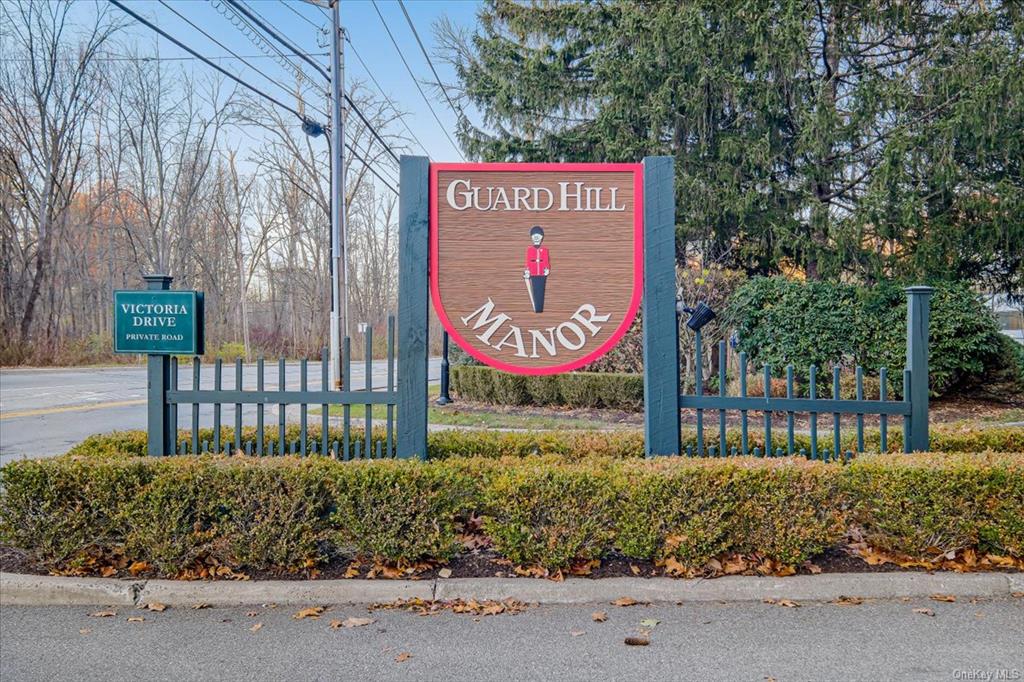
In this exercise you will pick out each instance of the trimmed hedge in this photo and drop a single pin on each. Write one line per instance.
(289, 514)
(579, 444)
(575, 389)
(782, 321)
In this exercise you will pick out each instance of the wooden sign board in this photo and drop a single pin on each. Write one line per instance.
(536, 268)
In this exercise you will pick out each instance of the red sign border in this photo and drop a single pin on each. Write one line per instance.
(638, 255)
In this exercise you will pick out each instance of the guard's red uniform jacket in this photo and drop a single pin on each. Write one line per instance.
(537, 260)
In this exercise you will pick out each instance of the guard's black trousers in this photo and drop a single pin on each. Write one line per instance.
(537, 283)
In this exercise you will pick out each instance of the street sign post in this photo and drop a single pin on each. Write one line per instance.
(158, 322)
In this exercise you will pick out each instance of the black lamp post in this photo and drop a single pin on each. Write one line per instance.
(444, 398)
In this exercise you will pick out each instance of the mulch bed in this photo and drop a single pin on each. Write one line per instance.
(486, 564)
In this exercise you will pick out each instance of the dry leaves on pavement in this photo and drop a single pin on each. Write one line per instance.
(201, 605)
(943, 597)
(84, 631)
(426, 607)
(135, 619)
(156, 606)
(103, 614)
(925, 612)
(404, 656)
(599, 616)
(788, 603)
(637, 641)
(256, 627)
(848, 601)
(311, 612)
(627, 601)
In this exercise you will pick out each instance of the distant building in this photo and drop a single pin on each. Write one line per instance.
(1009, 314)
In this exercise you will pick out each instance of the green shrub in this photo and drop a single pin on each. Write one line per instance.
(695, 510)
(289, 514)
(783, 321)
(550, 516)
(576, 389)
(71, 512)
(401, 511)
(618, 444)
(926, 505)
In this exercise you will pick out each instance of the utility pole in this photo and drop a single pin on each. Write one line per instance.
(339, 233)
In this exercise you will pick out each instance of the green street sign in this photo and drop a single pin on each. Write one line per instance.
(158, 322)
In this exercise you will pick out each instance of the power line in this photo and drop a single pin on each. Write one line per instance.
(416, 82)
(232, 14)
(153, 58)
(145, 22)
(456, 110)
(254, 68)
(254, 16)
(300, 15)
(401, 116)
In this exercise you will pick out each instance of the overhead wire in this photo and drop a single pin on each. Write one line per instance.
(148, 24)
(145, 22)
(456, 110)
(398, 49)
(251, 66)
(401, 115)
(254, 16)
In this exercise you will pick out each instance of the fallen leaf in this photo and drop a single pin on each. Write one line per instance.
(201, 605)
(84, 631)
(1017, 595)
(311, 612)
(108, 571)
(156, 606)
(848, 601)
(635, 569)
(135, 619)
(103, 614)
(353, 622)
(788, 603)
(255, 627)
(404, 656)
(625, 601)
(444, 573)
(138, 567)
(649, 623)
(637, 641)
(925, 612)
(943, 597)
(353, 570)
(811, 567)
(576, 633)
(599, 616)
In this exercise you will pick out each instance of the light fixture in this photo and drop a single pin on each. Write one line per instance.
(699, 316)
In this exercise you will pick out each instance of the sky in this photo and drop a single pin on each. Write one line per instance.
(299, 21)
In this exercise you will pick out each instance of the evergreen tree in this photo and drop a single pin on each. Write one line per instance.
(866, 138)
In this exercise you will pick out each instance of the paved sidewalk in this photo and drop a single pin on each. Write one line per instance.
(701, 641)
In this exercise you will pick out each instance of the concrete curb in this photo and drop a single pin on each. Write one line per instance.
(35, 590)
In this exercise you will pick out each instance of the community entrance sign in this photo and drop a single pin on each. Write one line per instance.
(158, 322)
(536, 268)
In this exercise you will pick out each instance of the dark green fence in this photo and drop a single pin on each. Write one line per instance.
(285, 397)
(912, 409)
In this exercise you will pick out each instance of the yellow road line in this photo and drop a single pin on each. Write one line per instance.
(70, 408)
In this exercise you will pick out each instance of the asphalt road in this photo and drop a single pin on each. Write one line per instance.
(44, 412)
(739, 641)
